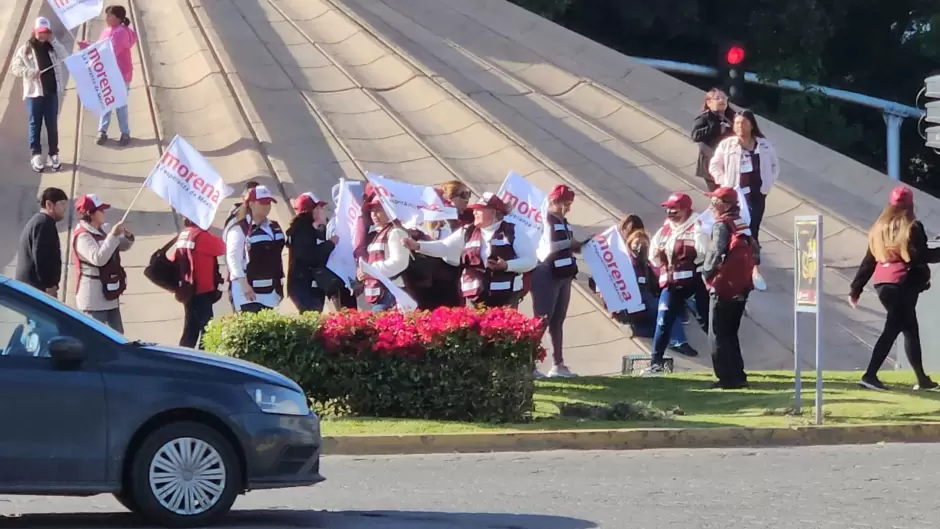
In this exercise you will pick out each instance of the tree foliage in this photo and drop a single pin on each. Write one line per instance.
(880, 48)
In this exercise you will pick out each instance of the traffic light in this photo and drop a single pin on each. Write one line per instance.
(731, 68)
(932, 91)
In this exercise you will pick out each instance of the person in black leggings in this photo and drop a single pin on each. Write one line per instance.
(896, 263)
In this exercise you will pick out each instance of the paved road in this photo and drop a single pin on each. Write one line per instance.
(889, 486)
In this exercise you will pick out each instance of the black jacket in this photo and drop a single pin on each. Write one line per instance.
(918, 276)
(40, 255)
(308, 250)
(707, 132)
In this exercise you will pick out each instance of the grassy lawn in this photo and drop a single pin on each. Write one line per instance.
(687, 402)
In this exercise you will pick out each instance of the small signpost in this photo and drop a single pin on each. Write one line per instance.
(807, 297)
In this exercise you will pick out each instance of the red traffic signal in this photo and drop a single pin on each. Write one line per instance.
(735, 55)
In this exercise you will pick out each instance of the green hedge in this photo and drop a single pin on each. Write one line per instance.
(452, 364)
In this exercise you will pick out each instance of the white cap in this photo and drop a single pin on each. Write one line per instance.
(42, 24)
(261, 194)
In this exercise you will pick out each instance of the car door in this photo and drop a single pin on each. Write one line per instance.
(53, 421)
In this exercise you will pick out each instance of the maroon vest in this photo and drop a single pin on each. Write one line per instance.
(374, 289)
(265, 269)
(112, 276)
(562, 262)
(479, 283)
(680, 270)
(893, 272)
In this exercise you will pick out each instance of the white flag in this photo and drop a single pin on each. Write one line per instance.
(184, 178)
(348, 210)
(613, 271)
(409, 203)
(98, 79)
(528, 210)
(402, 299)
(707, 219)
(74, 13)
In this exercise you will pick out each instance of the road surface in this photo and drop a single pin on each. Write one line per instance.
(880, 486)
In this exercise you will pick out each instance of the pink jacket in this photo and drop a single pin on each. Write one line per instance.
(725, 166)
(123, 39)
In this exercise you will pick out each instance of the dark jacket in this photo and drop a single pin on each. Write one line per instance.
(40, 255)
(308, 250)
(707, 132)
(918, 276)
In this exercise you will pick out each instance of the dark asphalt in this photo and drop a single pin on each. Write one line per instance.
(883, 486)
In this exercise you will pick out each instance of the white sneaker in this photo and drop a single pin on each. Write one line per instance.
(537, 374)
(37, 163)
(54, 162)
(759, 283)
(561, 371)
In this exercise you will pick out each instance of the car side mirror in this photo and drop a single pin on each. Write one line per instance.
(66, 351)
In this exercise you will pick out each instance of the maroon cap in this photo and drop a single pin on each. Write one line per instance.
(562, 193)
(88, 204)
(261, 194)
(725, 194)
(901, 196)
(678, 201)
(307, 202)
(376, 202)
(490, 201)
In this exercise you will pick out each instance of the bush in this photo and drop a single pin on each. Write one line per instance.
(452, 364)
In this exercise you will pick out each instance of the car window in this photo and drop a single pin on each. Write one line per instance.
(25, 331)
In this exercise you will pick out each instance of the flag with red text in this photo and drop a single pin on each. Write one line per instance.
(612, 269)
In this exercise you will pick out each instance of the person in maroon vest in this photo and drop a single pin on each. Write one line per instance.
(196, 255)
(386, 253)
(444, 288)
(551, 279)
(677, 250)
(492, 258)
(896, 262)
(96, 254)
(253, 248)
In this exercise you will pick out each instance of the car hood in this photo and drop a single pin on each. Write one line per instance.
(225, 362)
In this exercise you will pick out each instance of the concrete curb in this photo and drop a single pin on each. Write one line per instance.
(630, 439)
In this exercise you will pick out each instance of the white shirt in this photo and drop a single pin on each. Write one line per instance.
(450, 248)
(659, 242)
(397, 257)
(441, 233)
(236, 258)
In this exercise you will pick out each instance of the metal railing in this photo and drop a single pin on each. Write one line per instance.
(893, 113)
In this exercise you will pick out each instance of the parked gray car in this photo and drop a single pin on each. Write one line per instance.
(174, 434)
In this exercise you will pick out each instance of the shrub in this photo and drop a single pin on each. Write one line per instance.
(454, 364)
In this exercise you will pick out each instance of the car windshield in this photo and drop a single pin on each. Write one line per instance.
(62, 307)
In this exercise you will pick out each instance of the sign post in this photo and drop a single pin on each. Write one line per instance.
(807, 274)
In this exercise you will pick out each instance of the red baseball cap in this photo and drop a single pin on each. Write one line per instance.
(901, 196)
(562, 193)
(490, 201)
(261, 194)
(376, 202)
(88, 204)
(678, 201)
(307, 202)
(725, 194)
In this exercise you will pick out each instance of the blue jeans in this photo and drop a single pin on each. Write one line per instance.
(646, 328)
(43, 110)
(671, 302)
(387, 301)
(105, 123)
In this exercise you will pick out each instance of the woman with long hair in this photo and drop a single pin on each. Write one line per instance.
(896, 263)
(711, 126)
(308, 251)
(748, 162)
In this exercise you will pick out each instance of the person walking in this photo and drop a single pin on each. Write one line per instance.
(96, 254)
(197, 256)
(711, 126)
(39, 263)
(492, 258)
(123, 38)
(552, 277)
(253, 248)
(677, 250)
(896, 262)
(728, 272)
(386, 253)
(39, 63)
(308, 251)
(748, 161)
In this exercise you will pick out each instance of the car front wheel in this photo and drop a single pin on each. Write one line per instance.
(185, 474)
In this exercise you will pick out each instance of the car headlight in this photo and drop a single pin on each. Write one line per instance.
(278, 400)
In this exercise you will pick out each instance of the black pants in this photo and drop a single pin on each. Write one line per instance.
(757, 203)
(196, 315)
(901, 304)
(307, 298)
(253, 307)
(550, 299)
(727, 361)
(344, 300)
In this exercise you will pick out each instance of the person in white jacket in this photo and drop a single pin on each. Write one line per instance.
(747, 161)
(387, 254)
(39, 63)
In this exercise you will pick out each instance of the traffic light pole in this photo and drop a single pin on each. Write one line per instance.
(894, 113)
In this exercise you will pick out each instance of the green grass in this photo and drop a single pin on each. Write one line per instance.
(766, 403)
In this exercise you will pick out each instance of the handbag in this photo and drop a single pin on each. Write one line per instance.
(161, 271)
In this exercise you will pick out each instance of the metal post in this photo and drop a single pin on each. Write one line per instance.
(893, 122)
(819, 322)
(797, 381)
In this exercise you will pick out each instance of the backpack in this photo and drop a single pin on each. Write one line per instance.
(163, 272)
(734, 275)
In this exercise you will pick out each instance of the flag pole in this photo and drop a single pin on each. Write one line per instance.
(134, 200)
